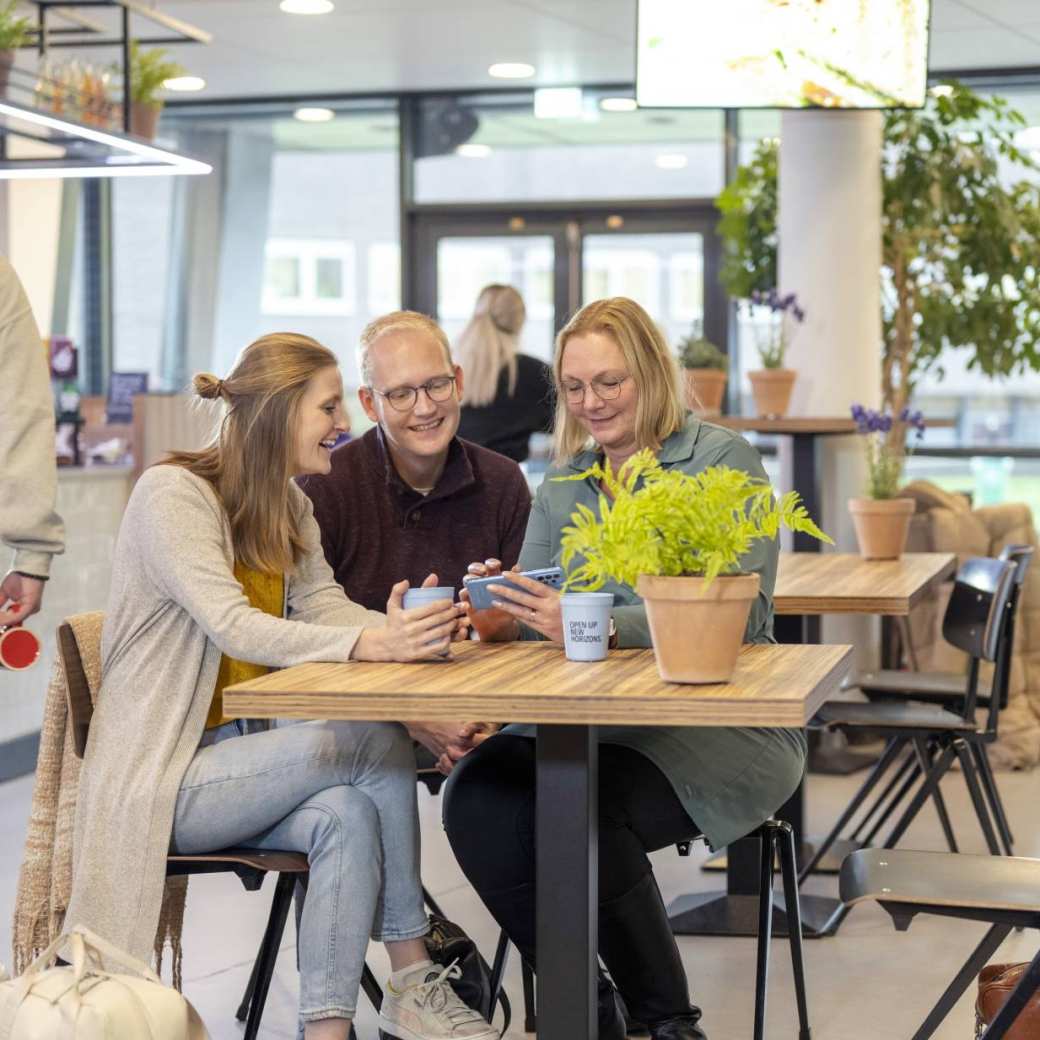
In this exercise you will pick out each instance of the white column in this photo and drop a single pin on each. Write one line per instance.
(830, 255)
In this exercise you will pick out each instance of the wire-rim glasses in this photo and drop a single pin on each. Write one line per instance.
(403, 398)
(608, 389)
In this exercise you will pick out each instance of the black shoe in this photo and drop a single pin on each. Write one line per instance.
(681, 1027)
(611, 1010)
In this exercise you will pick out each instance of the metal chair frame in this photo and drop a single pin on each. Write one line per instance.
(981, 632)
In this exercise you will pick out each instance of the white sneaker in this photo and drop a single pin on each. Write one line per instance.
(430, 1010)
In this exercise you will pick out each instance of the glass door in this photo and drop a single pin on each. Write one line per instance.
(665, 259)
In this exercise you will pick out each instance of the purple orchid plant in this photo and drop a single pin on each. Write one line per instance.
(784, 312)
(886, 455)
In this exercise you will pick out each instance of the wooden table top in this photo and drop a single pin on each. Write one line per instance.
(534, 682)
(802, 424)
(845, 583)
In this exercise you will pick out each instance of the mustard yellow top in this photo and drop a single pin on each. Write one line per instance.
(266, 592)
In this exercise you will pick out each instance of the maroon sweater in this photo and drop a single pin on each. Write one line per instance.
(376, 530)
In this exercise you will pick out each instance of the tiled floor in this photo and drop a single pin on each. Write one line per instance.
(867, 982)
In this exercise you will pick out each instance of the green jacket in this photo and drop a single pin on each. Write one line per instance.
(729, 779)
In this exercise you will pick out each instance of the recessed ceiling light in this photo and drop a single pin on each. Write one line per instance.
(942, 90)
(307, 6)
(314, 115)
(184, 83)
(618, 104)
(511, 70)
(473, 151)
(671, 161)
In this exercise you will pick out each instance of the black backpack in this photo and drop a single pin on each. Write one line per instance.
(447, 942)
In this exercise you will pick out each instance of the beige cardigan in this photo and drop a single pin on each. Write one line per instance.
(174, 607)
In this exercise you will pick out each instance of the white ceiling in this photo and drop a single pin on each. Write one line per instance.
(388, 45)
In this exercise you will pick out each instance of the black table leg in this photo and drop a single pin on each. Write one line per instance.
(805, 480)
(567, 882)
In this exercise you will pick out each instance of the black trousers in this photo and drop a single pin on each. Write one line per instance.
(489, 816)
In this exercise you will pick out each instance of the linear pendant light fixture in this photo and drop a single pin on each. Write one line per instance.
(89, 152)
(60, 147)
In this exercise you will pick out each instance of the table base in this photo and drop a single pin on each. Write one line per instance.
(716, 913)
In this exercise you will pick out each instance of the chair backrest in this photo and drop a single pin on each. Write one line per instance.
(974, 617)
(975, 620)
(1021, 556)
(77, 689)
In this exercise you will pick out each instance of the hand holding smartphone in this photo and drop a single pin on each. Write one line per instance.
(481, 598)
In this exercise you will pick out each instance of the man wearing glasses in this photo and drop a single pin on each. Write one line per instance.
(409, 497)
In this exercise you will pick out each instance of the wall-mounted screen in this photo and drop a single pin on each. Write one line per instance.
(782, 53)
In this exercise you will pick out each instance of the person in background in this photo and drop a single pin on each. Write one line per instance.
(409, 497)
(219, 577)
(508, 395)
(618, 392)
(28, 475)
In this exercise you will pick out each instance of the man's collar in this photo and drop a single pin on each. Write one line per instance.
(457, 473)
(676, 448)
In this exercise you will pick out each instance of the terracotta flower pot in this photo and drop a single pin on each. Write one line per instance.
(144, 119)
(697, 633)
(881, 526)
(6, 61)
(771, 388)
(705, 388)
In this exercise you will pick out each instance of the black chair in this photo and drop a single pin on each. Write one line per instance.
(777, 844)
(947, 691)
(975, 622)
(1001, 890)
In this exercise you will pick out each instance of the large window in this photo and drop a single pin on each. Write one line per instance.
(509, 148)
(295, 230)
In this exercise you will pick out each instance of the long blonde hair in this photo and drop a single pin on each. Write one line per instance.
(250, 461)
(650, 363)
(489, 343)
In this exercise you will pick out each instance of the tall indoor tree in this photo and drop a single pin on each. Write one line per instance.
(960, 239)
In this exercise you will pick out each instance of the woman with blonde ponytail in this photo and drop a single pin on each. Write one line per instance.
(220, 576)
(507, 395)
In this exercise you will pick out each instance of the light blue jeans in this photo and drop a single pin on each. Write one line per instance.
(343, 793)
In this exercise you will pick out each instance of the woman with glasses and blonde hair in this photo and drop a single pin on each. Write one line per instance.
(219, 577)
(507, 395)
(618, 392)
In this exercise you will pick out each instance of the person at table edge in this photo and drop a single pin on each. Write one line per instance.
(409, 497)
(618, 392)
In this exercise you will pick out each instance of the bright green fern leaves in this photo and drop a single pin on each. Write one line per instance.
(674, 523)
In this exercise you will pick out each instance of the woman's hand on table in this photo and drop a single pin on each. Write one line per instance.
(493, 626)
(417, 634)
(533, 603)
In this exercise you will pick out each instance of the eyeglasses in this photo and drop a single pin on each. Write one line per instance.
(403, 398)
(607, 389)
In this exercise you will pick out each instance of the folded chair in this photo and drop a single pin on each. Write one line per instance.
(947, 690)
(249, 865)
(975, 621)
(1002, 890)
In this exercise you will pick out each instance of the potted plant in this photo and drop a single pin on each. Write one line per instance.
(149, 70)
(14, 31)
(678, 539)
(772, 383)
(960, 225)
(882, 517)
(704, 372)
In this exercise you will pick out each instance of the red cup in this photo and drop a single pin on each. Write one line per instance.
(19, 648)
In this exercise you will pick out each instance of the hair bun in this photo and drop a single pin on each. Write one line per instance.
(208, 386)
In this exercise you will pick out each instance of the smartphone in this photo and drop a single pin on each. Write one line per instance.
(481, 598)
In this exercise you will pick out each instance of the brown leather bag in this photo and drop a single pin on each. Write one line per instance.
(996, 981)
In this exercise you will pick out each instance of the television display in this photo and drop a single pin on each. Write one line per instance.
(782, 53)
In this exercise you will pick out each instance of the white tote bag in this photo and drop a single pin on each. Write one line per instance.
(85, 1002)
